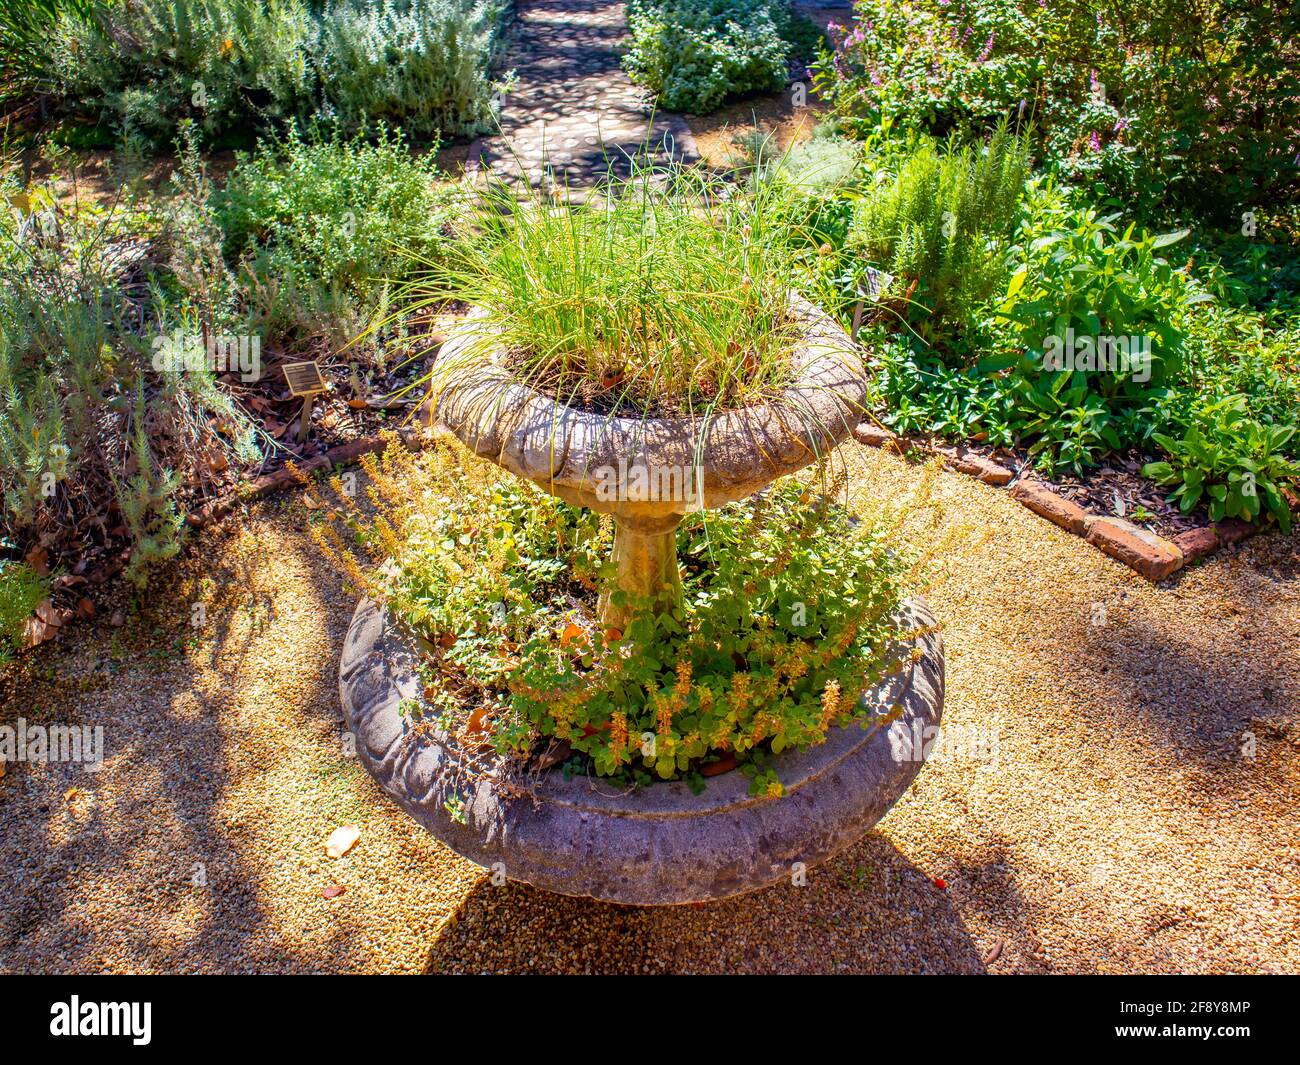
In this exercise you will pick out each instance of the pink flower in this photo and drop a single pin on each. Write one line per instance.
(1094, 142)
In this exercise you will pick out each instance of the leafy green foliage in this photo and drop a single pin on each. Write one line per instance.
(145, 65)
(235, 65)
(316, 225)
(696, 53)
(1233, 460)
(1073, 272)
(1165, 106)
(424, 65)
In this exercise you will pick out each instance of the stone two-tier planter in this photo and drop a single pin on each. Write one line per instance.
(660, 844)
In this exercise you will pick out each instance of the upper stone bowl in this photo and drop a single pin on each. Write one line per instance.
(735, 453)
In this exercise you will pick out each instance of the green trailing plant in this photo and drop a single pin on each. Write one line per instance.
(788, 616)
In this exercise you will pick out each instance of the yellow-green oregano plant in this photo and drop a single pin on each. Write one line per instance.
(788, 616)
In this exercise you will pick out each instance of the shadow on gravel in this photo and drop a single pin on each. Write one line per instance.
(151, 863)
(870, 910)
(1199, 670)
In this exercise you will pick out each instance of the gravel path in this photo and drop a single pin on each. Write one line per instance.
(1119, 829)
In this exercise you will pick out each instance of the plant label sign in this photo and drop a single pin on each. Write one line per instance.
(304, 379)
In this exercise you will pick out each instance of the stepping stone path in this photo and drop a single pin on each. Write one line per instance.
(574, 116)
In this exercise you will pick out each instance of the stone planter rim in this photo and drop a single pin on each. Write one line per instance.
(558, 446)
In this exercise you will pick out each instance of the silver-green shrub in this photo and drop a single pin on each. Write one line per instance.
(425, 64)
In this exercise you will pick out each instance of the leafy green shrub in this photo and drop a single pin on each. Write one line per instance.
(787, 617)
(323, 225)
(1237, 463)
(1167, 108)
(940, 225)
(1072, 274)
(696, 53)
(21, 591)
(423, 64)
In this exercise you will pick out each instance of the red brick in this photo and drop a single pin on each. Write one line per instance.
(1234, 530)
(1150, 555)
(1055, 508)
(874, 435)
(1197, 543)
(979, 467)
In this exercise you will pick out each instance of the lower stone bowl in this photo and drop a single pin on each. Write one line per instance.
(657, 845)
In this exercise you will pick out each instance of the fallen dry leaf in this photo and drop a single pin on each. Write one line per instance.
(39, 559)
(571, 633)
(85, 609)
(332, 891)
(994, 954)
(342, 840)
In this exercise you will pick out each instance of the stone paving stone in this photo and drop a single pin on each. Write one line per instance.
(574, 117)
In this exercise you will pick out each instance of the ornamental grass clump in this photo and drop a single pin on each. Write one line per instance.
(665, 297)
(789, 615)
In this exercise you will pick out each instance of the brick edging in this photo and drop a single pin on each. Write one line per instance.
(1146, 553)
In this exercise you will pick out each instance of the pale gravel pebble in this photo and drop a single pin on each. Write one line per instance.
(1118, 831)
